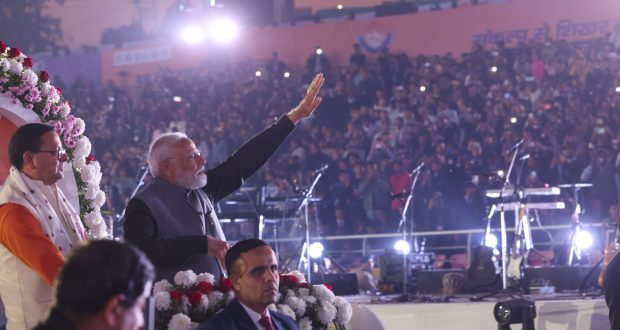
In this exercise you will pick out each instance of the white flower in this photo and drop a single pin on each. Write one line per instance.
(300, 276)
(344, 310)
(92, 218)
(326, 312)
(323, 293)
(99, 199)
(162, 286)
(83, 147)
(214, 297)
(179, 322)
(99, 230)
(79, 161)
(289, 293)
(91, 191)
(185, 278)
(298, 305)
(205, 277)
(284, 309)
(53, 96)
(45, 88)
(305, 324)
(64, 109)
(4, 64)
(29, 77)
(204, 303)
(303, 292)
(87, 173)
(185, 304)
(162, 301)
(96, 172)
(309, 299)
(79, 126)
(15, 66)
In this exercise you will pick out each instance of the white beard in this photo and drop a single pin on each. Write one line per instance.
(193, 182)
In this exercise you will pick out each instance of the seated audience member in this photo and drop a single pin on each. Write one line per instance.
(103, 285)
(254, 273)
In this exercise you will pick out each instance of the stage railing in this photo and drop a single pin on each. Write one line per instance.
(469, 233)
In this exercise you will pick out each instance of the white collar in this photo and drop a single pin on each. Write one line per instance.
(254, 316)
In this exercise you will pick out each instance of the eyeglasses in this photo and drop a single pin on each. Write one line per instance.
(193, 157)
(58, 153)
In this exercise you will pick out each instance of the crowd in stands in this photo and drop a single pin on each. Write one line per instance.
(380, 117)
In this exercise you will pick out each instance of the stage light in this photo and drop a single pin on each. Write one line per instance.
(500, 173)
(618, 89)
(223, 30)
(319, 51)
(494, 69)
(316, 250)
(584, 240)
(517, 311)
(212, 3)
(339, 7)
(193, 34)
(287, 74)
(177, 99)
(258, 73)
(490, 241)
(513, 120)
(402, 246)
(422, 88)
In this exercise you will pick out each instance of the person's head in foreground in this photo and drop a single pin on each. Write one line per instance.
(103, 285)
(254, 274)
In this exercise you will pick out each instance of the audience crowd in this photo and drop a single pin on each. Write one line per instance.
(381, 116)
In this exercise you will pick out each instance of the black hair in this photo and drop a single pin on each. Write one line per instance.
(26, 138)
(241, 247)
(98, 271)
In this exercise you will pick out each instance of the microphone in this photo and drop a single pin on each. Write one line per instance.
(514, 146)
(400, 195)
(321, 169)
(417, 169)
(524, 157)
(296, 188)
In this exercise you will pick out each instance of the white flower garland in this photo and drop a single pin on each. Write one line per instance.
(34, 92)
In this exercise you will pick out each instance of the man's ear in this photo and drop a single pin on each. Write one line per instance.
(27, 159)
(111, 310)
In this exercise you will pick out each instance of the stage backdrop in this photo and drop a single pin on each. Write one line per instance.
(439, 32)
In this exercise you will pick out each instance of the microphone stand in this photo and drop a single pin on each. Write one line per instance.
(502, 217)
(305, 250)
(142, 173)
(402, 225)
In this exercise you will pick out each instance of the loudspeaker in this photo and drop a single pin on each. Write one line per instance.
(562, 277)
(343, 283)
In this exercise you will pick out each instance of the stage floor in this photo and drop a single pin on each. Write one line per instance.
(554, 312)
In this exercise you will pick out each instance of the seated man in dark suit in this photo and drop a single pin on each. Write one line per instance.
(254, 273)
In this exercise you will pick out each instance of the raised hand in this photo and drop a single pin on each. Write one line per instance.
(310, 102)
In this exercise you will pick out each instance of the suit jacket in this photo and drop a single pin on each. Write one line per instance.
(611, 288)
(158, 219)
(234, 317)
